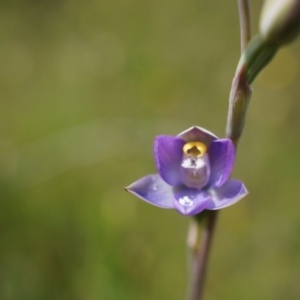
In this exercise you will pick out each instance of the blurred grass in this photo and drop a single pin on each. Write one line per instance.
(85, 87)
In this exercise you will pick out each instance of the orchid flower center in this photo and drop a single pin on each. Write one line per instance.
(194, 149)
(195, 170)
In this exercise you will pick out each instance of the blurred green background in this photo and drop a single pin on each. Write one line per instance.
(85, 87)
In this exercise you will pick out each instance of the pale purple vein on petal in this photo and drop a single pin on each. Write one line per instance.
(168, 155)
(222, 156)
(153, 190)
(228, 194)
(190, 202)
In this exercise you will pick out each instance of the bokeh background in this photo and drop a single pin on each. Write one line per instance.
(85, 87)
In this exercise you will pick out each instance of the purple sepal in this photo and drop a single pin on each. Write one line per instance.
(153, 190)
(168, 156)
(197, 134)
(190, 202)
(228, 194)
(221, 156)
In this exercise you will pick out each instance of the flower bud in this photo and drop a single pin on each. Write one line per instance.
(280, 21)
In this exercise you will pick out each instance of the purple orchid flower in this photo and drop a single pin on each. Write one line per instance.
(194, 169)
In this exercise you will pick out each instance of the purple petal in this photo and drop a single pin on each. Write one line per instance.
(190, 202)
(221, 155)
(168, 155)
(228, 194)
(153, 190)
(197, 134)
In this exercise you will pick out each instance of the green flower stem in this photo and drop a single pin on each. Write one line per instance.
(239, 98)
(241, 91)
(245, 22)
(205, 223)
(200, 239)
(254, 58)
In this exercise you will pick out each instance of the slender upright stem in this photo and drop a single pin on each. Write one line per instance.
(240, 94)
(241, 90)
(200, 257)
(245, 22)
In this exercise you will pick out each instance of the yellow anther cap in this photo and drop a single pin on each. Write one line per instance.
(194, 149)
